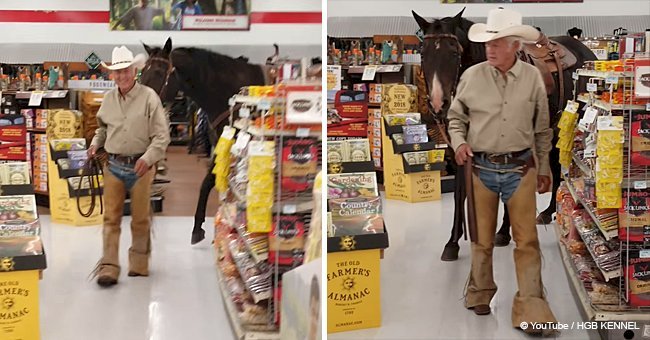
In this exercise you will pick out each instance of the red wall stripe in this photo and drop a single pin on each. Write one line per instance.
(9, 16)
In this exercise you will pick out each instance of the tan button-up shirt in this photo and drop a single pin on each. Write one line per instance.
(498, 115)
(133, 124)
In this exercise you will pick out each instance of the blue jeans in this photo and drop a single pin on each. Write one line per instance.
(504, 184)
(124, 172)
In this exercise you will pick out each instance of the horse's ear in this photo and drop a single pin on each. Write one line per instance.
(458, 19)
(422, 22)
(168, 46)
(147, 48)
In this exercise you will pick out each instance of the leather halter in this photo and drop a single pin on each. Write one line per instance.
(170, 70)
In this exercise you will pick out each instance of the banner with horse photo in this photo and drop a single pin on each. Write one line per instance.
(177, 15)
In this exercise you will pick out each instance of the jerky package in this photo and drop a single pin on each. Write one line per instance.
(357, 216)
(638, 276)
(299, 157)
(288, 233)
(640, 138)
(634, 215)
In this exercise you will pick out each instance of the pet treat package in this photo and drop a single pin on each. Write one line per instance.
(352, 185)
(299, 157)
(356, 216)
(635, 214)
(637, 271)
(641, 138)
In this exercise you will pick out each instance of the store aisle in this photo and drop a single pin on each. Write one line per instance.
(180, 300)
(422, 297)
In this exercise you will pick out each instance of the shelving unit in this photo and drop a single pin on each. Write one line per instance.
(634, 176)
(245, 246)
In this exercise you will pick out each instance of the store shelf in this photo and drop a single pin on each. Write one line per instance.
(603, 74)
(607, 106)
(380, 68)
(257, 297)
(589, 311)
(54, 94)
(242, 332)
(608, 234)
(258, 132)
(36, 130)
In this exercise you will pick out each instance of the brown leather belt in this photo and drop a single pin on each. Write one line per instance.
(503, 158)
(124, 159)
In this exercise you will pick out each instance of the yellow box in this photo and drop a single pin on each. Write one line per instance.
(19, 314)
(412, 187)
(353, 290)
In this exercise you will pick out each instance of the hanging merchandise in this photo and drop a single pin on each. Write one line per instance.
(259, 196)
(609, 165)
(222, 159)
(567, 125)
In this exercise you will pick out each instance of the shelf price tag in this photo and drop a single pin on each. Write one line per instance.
(302, 132)
(640, 185)
(611, 80)
(244, 112)
(592, 87)
(369, 72)
(289, 209)
(644, 253)
(36, 98)
(264, 105)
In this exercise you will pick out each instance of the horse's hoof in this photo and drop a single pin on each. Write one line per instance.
(501, 240)
(450, 253)
(544, 218)
(198, 236)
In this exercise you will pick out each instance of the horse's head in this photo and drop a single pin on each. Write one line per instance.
(159, 73)
(442, 51)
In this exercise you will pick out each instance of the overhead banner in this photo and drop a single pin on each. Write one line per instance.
(501, 1)
(177, 15)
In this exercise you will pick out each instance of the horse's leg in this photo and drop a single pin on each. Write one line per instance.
(502, 238)
(450, 252)
(546, 216)
(198, 234)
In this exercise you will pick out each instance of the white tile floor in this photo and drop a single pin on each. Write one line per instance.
(422, 297)
(180, 300)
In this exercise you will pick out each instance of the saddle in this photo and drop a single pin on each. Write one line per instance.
(549, 57)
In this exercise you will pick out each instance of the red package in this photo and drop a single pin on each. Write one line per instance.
(640, 138)
(635, 216)
(638, 276)
(299, 157)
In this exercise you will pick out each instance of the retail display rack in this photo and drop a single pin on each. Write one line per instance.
(602, 204)
(265, 210)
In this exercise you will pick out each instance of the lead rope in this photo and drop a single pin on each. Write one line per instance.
(91, 170)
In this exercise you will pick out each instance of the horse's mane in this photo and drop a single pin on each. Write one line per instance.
(475, 51)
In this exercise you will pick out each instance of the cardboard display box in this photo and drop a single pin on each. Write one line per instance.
(353, 290)
(398, 98)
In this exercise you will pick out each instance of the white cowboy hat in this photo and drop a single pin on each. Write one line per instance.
(123, 58)
(502, 23)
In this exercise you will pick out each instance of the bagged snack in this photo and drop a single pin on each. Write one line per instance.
(299, 157)
(357, 216)
(638, 275)
(640, 138)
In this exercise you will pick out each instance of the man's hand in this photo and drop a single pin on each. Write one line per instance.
(92, 151)
(463, 153)
(141, 167)
(543, 184)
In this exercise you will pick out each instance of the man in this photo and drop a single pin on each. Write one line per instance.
(186, 7)
(499, 119)
(142, 15)
(134, 132)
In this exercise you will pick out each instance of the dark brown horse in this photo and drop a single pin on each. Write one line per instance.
(209, 79)
(446, 53)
